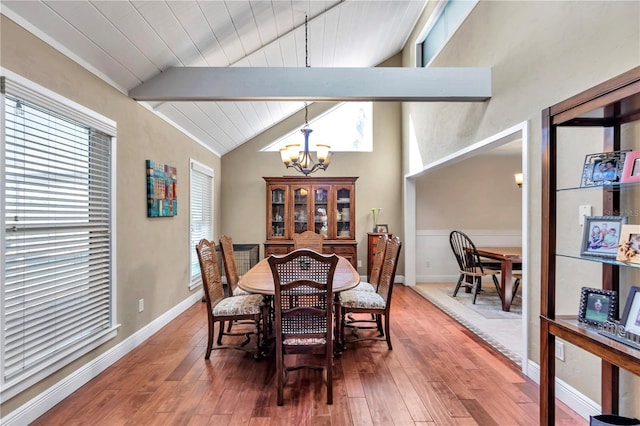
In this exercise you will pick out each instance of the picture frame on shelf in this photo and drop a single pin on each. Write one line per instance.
(631, 315)
(382, 228)
(597, 306)
(629, 244)
(601, 236)
(602, 168)
(631, 168)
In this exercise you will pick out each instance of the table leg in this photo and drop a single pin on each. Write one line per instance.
(506, 283)
(267, 326)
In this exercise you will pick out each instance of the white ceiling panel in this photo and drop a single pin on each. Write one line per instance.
(129, 42)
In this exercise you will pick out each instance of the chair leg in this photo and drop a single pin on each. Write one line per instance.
(476, 289)
(342, 313)
(516, 284)
(379, 325)
(280, 373)
(497, 284)
(221, 332)
(387, 328)
(209, 340)
(458, 285)
(329, 369)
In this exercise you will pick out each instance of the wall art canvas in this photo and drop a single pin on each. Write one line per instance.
(162, 196)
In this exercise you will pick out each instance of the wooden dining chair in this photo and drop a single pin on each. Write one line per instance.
(371, 286)
(230, 266)
(303, 300)
(221, 309)
(470, 265)
(378, 303)
(308, 240)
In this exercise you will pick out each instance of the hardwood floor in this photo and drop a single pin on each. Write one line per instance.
(437, 373)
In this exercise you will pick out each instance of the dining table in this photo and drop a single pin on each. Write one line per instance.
(259, 279)
(507, 256)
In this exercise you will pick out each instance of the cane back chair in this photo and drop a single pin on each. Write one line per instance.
(308, 240)
(378, 303)
(230, 266)
(376, 266)
(221, 309)
(303, 300)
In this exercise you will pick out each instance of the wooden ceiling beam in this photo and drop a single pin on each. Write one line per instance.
(317, 84)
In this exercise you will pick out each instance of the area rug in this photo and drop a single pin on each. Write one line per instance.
(487, 304)
(502, 330)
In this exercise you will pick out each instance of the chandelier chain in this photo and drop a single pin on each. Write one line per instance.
(301, 160)
(306, 41)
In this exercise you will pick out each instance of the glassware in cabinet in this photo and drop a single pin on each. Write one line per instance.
(300, 209)
(276, 225)
(345, 215)
(321, 220)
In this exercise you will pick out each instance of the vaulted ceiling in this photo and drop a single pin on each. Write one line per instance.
(126, 43)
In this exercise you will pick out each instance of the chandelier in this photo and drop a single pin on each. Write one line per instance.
(291, 154)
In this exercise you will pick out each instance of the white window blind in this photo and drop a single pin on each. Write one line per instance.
(57, 289)
(201, 214)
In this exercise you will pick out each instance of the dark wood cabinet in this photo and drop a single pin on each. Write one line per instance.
(372, 241)
(319, 204)
(609, 112)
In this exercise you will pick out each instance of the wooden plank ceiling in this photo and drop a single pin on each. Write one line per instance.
(128, 42)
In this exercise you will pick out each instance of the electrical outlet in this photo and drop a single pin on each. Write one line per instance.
(559, 350)
(582, 212)
(140, 305)
(359, 263)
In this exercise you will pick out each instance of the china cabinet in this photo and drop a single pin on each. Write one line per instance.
(324, 205)
(612, 109)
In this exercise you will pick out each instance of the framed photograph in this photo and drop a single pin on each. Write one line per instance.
(602, 168)
(629, 244)
(382, 228)
(601, 235)
(597, 305)
(631, 169)
(631, 315)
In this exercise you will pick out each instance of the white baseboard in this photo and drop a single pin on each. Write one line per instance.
(40, 404)
(437, 278)
(399, 279)
(575, 400)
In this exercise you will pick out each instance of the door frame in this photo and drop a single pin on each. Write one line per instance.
(519, 131)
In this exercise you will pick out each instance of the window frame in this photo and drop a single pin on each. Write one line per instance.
(195, 280)
(27, 90)
(436, 16)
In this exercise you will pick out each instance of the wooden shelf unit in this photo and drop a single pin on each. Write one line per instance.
(609, 106)
(324, 205)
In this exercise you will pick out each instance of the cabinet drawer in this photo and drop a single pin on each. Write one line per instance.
(277, 250)
(339, 250)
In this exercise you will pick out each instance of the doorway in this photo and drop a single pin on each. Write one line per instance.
(502, 144)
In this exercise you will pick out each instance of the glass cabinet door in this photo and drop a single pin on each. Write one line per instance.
(345, 215)
(322, 222)
(278, 212)
(300, 209)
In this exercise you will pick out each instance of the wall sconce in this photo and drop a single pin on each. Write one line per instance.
(518, 178)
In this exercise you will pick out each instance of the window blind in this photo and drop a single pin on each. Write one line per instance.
(57, 246)
(201, 214)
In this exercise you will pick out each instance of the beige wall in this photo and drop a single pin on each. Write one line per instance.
(540, 53)
(477, 193)
(378, 184)
(152, 254)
